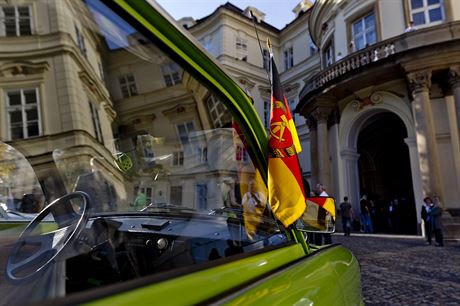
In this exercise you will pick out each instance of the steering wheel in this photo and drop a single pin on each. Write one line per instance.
(33, 252)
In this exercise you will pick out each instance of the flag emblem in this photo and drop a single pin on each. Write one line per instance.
(285, 188)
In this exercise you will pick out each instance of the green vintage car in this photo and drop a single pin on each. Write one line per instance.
(137, 157)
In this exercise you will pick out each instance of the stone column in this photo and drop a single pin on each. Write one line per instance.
(324, 171)
(351, 174)
(453, 112)
(415, 171)
(454, 82)
(420, 83)
(311, 122)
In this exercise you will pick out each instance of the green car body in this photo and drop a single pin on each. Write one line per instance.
(297, 273)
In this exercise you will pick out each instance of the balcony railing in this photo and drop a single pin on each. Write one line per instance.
(419, 38)
(353, 61)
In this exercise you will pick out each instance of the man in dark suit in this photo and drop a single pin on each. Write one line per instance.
(426, 218)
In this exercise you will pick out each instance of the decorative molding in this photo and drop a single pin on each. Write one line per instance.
(264, 91)
(23, 68)
(360, 103)
(179, 109)
(109, 110)
(419, 81)
(321, 114)
(93, 86)
(246, 82)
(291, 89)
(311, 123)
(143, 119)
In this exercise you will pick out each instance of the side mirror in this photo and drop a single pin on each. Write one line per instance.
(319, 216)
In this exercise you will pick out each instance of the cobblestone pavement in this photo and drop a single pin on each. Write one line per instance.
(406, 271)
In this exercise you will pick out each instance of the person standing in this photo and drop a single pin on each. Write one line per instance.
(347, 215)
(140, 200)
(436, 224)
(427, 218)
(319, 237)
(365, 215)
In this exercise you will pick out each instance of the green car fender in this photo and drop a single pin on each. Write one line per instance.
(285, 276)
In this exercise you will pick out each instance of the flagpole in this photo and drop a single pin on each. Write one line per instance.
(296, 235)
(260, 46)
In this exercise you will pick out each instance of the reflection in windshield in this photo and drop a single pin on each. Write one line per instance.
(153, 155)
(20, 190)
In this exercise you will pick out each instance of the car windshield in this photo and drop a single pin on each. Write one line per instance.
(129, 164)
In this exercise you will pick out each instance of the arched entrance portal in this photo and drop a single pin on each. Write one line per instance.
(385, 173)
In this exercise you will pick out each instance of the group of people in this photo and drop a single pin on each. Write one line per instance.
(431, 216)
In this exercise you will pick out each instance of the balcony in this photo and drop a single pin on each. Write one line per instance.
(381, 61)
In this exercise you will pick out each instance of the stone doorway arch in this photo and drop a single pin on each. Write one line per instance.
(354, 119)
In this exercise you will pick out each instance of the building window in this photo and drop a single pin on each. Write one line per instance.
(241, 45)
(128, 85)
(288, 55)
(206, 42)
(266, 114)
(96, 122)
(15, 21)
(176, 195)
(363, 31)
(219, 113)
(23, 113)
(241, 154)
(148, 192)
(312, 46)
(202, 155)
(80, 40)
(426, 12)
(202, 196)
(178, 158)
(183, 130)
(171, 74)
(328, 55)
(266, 59)
(101, 71)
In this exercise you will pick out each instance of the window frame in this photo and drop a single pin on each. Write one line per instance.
(361, 19)
(178, 158)
(288, 57)
(23, 107)
(128, 85)
(17, 21)
(241, 47)
(200, 186)
(96, 121)
(267, 111)
(266, 59)
(217, 117)
(171, 73)
(81, 44)
(312, 48)
(328, 51)
(425, 9)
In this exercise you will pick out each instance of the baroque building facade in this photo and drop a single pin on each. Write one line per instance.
(383, 110)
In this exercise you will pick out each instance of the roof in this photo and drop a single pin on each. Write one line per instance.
(233, 8)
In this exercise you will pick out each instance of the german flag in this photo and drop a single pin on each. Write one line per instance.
(325, 202)
(286, 194)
